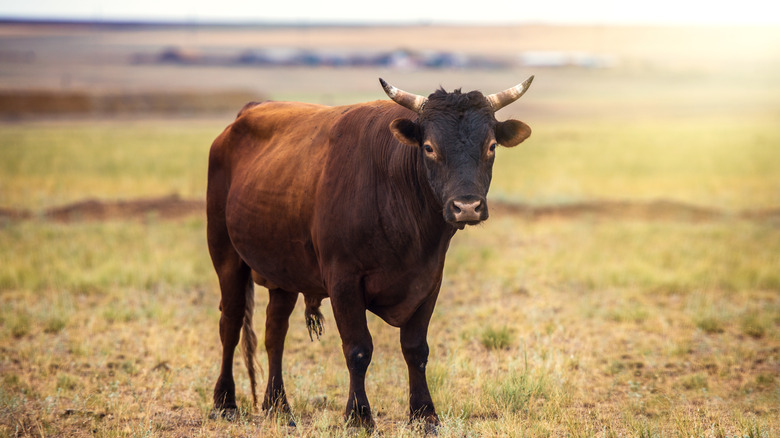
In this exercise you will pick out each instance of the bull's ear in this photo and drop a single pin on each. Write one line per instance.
(406, 131)
(511, 132)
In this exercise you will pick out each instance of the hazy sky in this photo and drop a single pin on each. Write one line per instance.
(407, 11)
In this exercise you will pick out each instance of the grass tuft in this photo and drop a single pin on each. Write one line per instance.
(21, 325)
(695, 382)
(710, 324)
(753, 325)
(496, 338)
(54, 324)
(517, 391)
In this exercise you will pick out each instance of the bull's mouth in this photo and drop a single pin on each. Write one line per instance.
(462, 224)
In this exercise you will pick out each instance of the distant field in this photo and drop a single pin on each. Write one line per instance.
(726, 164)
(582, 325)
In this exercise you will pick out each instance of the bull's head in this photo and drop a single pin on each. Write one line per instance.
(457, 134)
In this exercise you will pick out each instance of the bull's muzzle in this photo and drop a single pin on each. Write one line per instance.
(467, 210)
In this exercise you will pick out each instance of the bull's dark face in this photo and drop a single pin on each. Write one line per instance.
(457, 135)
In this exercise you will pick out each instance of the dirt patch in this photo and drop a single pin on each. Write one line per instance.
(174, 207)
(166, 207)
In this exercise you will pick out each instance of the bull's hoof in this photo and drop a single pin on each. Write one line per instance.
(229, 414)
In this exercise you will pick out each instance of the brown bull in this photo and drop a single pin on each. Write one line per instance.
(357, 204)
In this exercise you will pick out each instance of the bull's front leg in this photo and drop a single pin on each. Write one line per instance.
(349, 311)
(414, 345)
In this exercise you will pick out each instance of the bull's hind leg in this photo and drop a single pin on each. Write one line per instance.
(236, 304)
(236, 286)
(280, 305)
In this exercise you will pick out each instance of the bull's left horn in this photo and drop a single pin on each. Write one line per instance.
(504, 98)
(414, 102)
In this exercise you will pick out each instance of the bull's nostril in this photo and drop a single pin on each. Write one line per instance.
(478, 208)
(455, 208)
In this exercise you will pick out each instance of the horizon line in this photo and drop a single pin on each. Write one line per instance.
(301, 23)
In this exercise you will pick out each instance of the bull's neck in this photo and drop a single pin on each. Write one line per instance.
(408, 191)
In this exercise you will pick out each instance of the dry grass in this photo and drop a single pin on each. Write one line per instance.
(117, 335)
(581, 326)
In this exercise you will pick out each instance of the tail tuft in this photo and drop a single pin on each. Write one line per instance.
(313, 317)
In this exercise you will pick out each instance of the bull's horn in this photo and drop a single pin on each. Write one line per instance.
(504, 98)
(408, 100)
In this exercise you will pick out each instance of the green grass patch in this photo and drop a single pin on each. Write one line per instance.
(48, 164)
(729, 163)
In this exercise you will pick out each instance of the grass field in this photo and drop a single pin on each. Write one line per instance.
(570, 325)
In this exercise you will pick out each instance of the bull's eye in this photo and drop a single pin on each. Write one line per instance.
(428, 148)
(492, 147)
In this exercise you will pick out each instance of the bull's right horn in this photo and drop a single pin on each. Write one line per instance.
(504, 98)
(414, 102)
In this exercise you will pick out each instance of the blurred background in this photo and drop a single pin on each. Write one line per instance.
(660, 63)
(605, 59)
(627, 283)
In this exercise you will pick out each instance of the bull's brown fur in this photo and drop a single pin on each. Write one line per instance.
(326, 202)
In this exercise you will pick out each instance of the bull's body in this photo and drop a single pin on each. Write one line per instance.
(326, 202)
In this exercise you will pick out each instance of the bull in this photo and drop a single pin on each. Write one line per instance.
(353, 203)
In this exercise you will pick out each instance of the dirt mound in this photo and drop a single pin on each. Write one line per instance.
(173, 207)
(167, 207)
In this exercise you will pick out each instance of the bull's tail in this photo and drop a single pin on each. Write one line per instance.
(249, 339)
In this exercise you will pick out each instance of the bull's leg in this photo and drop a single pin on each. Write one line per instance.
(349, 312)
(235, 283)
(280, 305)
(414, 345)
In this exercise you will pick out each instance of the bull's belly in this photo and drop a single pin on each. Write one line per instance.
(274, 242)
(396, 296)
(278, 262)
(284, 270)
